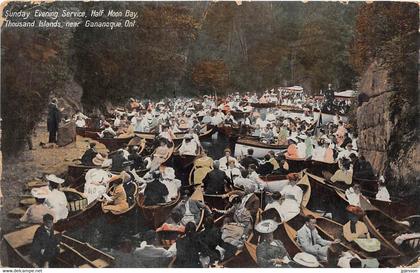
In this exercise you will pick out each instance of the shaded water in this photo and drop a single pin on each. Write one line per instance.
(105, 231)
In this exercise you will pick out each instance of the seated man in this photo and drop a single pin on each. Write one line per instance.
(216, 180)
(35, 213)
(118, 161)
(44, 246)
(108, 132)
(310, 241)
(150, 254)
(188, 210)
(188, 146)
(267, 167)
(223, 162)
(232, 172)
(89, 155)
(155, 191)
(249, 159)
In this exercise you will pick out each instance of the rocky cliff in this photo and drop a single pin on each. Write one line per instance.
(385, 137)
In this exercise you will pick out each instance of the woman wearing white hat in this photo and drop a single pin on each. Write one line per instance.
(56, 199)
(35, 213)
(171, 183)
(270, 252)
(96, 183)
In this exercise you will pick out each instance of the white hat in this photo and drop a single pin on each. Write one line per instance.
(148, 177)
(54, 178)
(306, 259)
(293, 139)
(266, 226)
(169, 173)
(98, 160)
(40, 193)
(369, 245)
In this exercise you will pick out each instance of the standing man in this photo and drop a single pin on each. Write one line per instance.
(53, 120)
(45, 243)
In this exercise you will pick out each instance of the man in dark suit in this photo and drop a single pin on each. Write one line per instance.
(215, 180)
(89, 155)
(45, 243)
(53, 120)
(155, 191)
(249, 159)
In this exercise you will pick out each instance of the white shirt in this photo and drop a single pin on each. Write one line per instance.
(173, 186)
(301, 149)
(80, 123)
(352, 197)
(188, 148)
(224, 162)
(294, 191)
(383, 194)
(57, 201)
(96, 183)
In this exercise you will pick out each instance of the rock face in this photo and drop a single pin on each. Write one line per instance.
(379, 130)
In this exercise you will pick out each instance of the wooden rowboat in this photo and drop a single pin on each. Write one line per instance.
(263, 105)
(155, 216)
(380, 224)
(79, 210)
(73, 253)
(260, 149)
(297, 164)
(205, 133)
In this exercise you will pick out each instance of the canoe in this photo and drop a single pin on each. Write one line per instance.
(263, 105)
(79, 210)
(297, 164)
(397, 208)
(206, 132)
(155, 216)
(317, 167)
(380, 224)
(260, 149)
(115, 143)
(73, 253)
(232, 130)
(330, 230)
(132, 190)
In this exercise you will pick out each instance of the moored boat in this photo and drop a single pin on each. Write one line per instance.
(72, 253)
(260, 149)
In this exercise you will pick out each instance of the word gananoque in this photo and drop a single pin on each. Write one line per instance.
(110, 25)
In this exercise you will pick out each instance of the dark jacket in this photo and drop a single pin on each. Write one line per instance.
(53, 119)
(48, 242)
(265, 169)
(88, 156)
(363, 169)
(209, 239)
(214, 182)
(187, 253)
(248, 160)
(118, 162)
(137, 160)
(195, 208)
(155, 193)
(266, 252)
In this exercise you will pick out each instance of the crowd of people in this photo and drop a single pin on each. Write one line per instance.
(236, 180)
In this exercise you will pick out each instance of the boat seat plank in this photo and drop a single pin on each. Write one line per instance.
(85, 266)
(17, 212)
(100, 263)
(21, 237)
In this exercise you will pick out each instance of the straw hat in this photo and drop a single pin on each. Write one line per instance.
(369, 245)
(226, 150)
(306, 259)
(40, 193)
(266, 226)
(293, 139)
(98, 160)
(53, 178)
(169, 173)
